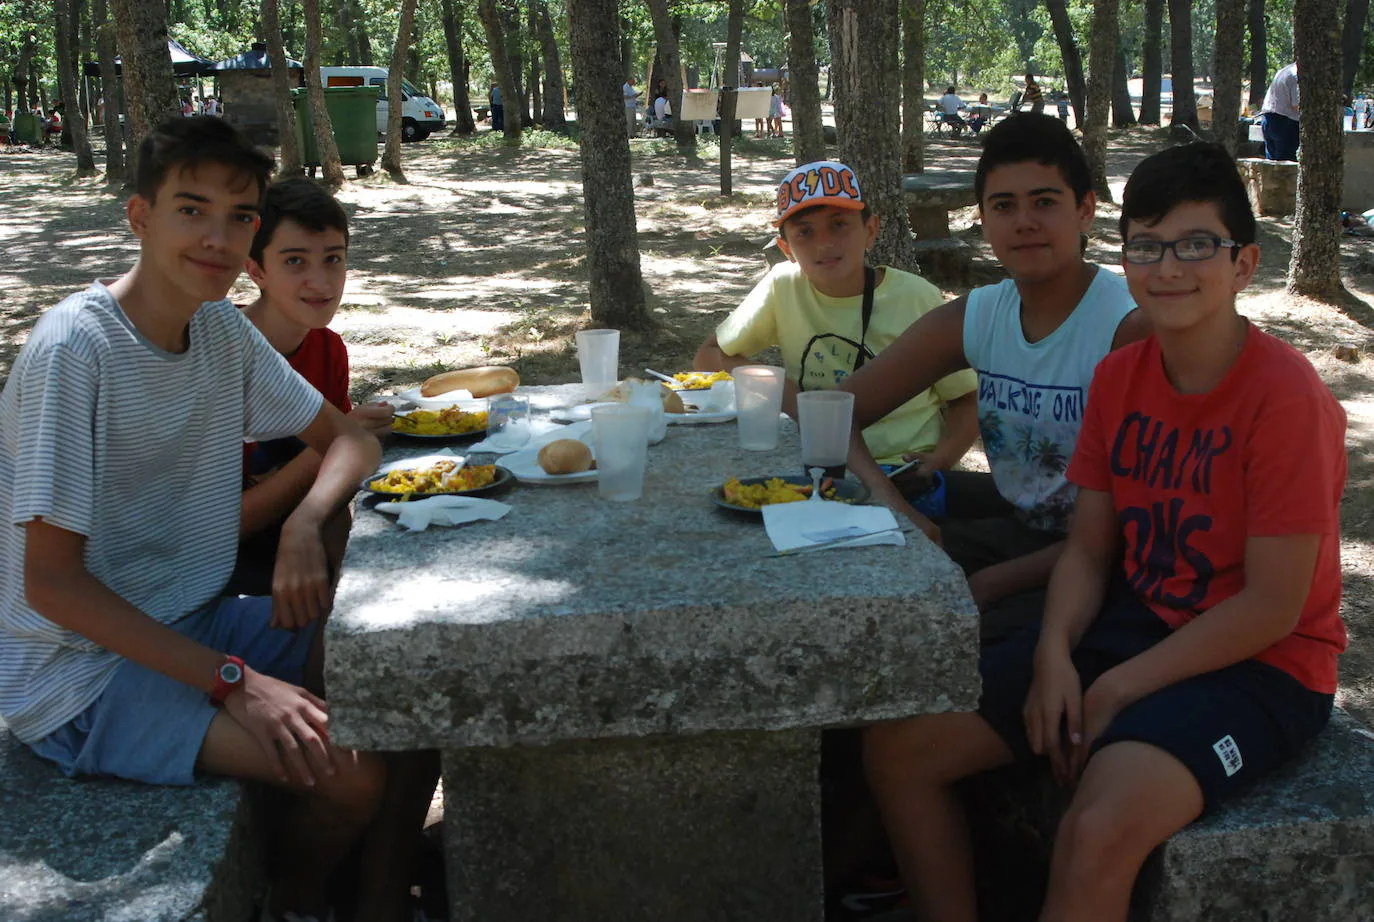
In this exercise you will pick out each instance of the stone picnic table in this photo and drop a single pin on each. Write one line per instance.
(629, 697)
(931, 195)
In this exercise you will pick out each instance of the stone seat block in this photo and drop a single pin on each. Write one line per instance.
(114, 851)
(1298, 846)
(1272, 184)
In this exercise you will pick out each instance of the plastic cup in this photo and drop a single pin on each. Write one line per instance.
(621, 434)
(508, 422)
(825, 418)
(758, 403)
(598, 353)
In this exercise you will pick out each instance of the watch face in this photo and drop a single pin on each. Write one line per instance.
(231, 673)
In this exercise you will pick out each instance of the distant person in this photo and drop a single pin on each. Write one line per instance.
(981, 114)
(775, 113)
(950, 104)
(211, 105)
(758, 122)
(631, 96)
(1061, 104)
(1032, 96)
(1279, 116)
(52, 125)
(498, 111)
(187, 110)
(662, 110)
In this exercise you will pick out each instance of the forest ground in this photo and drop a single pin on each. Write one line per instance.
(479, 259)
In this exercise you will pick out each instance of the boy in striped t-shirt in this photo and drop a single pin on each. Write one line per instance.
(121, 425)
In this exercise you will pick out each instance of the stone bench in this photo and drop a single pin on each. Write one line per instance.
(113, 851)
(1300, 845)
(1272, 184)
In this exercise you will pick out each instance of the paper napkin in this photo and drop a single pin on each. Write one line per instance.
(444, 510)
(795, 525)
(543, 432)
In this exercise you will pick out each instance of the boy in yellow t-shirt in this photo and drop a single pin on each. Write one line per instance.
(813, 308)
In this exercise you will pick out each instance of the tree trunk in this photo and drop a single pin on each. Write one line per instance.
(1123, 116)
(515, 56)
(1151, 62)
(627, 47)
(391, 155)
(684, 130)
(343, 21)
(863, 54)
(292, 162)
(150, 94)
(536, 75)
(84, 45)
(1259, 55)
(616, 288)
(68, 67)
(728, 100)
(554, 87)
(803, 80)
(1181, 63)
(500, 65)
(22, 73)
(330, 168)
(913, 86)
(1230, 48)
(1068, 51)
(453, 13)
(362, 37)
(1352, 42)
(109, 94)
(1315, 269)
(1102, 51)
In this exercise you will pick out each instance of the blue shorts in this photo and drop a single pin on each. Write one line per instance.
(148, 727)
(1228, 727)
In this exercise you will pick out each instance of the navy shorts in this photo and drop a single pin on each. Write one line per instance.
(1229, 727)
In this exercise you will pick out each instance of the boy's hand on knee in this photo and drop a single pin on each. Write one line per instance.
(1055, 699)
(289, 723)
(301, 588)
(1101, 703)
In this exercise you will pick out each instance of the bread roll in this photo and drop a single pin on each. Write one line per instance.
(565, 456)
(672, 403)
(481, 382)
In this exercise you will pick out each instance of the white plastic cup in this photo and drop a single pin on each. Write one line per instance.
(758, 402)
(508, 422)
(621, 434)
(598, 354)
(825, 418)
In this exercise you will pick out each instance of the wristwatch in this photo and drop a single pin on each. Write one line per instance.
(228, 679)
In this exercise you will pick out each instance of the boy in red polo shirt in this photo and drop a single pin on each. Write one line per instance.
(1192, 627)
(299, 261)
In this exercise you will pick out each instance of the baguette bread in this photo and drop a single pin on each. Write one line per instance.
(481, 382)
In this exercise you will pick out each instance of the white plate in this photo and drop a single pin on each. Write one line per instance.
(524, 464)
(577, 414)
(700, 419)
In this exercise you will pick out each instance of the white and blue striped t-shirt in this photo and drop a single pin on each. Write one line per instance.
(141, 451)
(1031, 395)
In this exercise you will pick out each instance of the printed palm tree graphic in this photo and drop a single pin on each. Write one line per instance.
(1049, 456)
(991, 429)
(1025, 443)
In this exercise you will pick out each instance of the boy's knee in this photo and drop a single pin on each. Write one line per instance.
(357, 785)
(1097, 838)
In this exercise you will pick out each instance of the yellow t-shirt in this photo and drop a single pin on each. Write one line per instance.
(819, 339)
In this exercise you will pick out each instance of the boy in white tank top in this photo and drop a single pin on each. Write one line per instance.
(1034, 341)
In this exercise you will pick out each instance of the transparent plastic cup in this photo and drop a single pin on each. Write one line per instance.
(508, 421)
(621, 435)
(825, 418)
(598, 354)
(758, 403)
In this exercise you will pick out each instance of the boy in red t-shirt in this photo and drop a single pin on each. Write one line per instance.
(299, 261)
(1192, 627)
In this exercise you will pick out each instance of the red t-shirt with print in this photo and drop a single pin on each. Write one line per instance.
(321, 359)
(1192, 476)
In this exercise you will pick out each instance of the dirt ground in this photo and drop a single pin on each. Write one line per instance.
(479, 259)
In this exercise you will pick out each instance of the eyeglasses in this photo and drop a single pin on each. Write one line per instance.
(1187, 249)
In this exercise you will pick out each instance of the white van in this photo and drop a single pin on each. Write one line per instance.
(419, 114)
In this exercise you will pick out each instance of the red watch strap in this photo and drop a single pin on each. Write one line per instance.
(224, 688)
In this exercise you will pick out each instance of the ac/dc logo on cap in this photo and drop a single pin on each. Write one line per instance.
(824, 182)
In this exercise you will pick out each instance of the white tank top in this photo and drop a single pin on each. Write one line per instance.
(1031, 395)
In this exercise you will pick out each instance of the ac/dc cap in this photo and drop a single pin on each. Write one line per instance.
(825, 182)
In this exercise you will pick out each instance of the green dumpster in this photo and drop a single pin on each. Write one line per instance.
(28, 128)
(353, 114)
